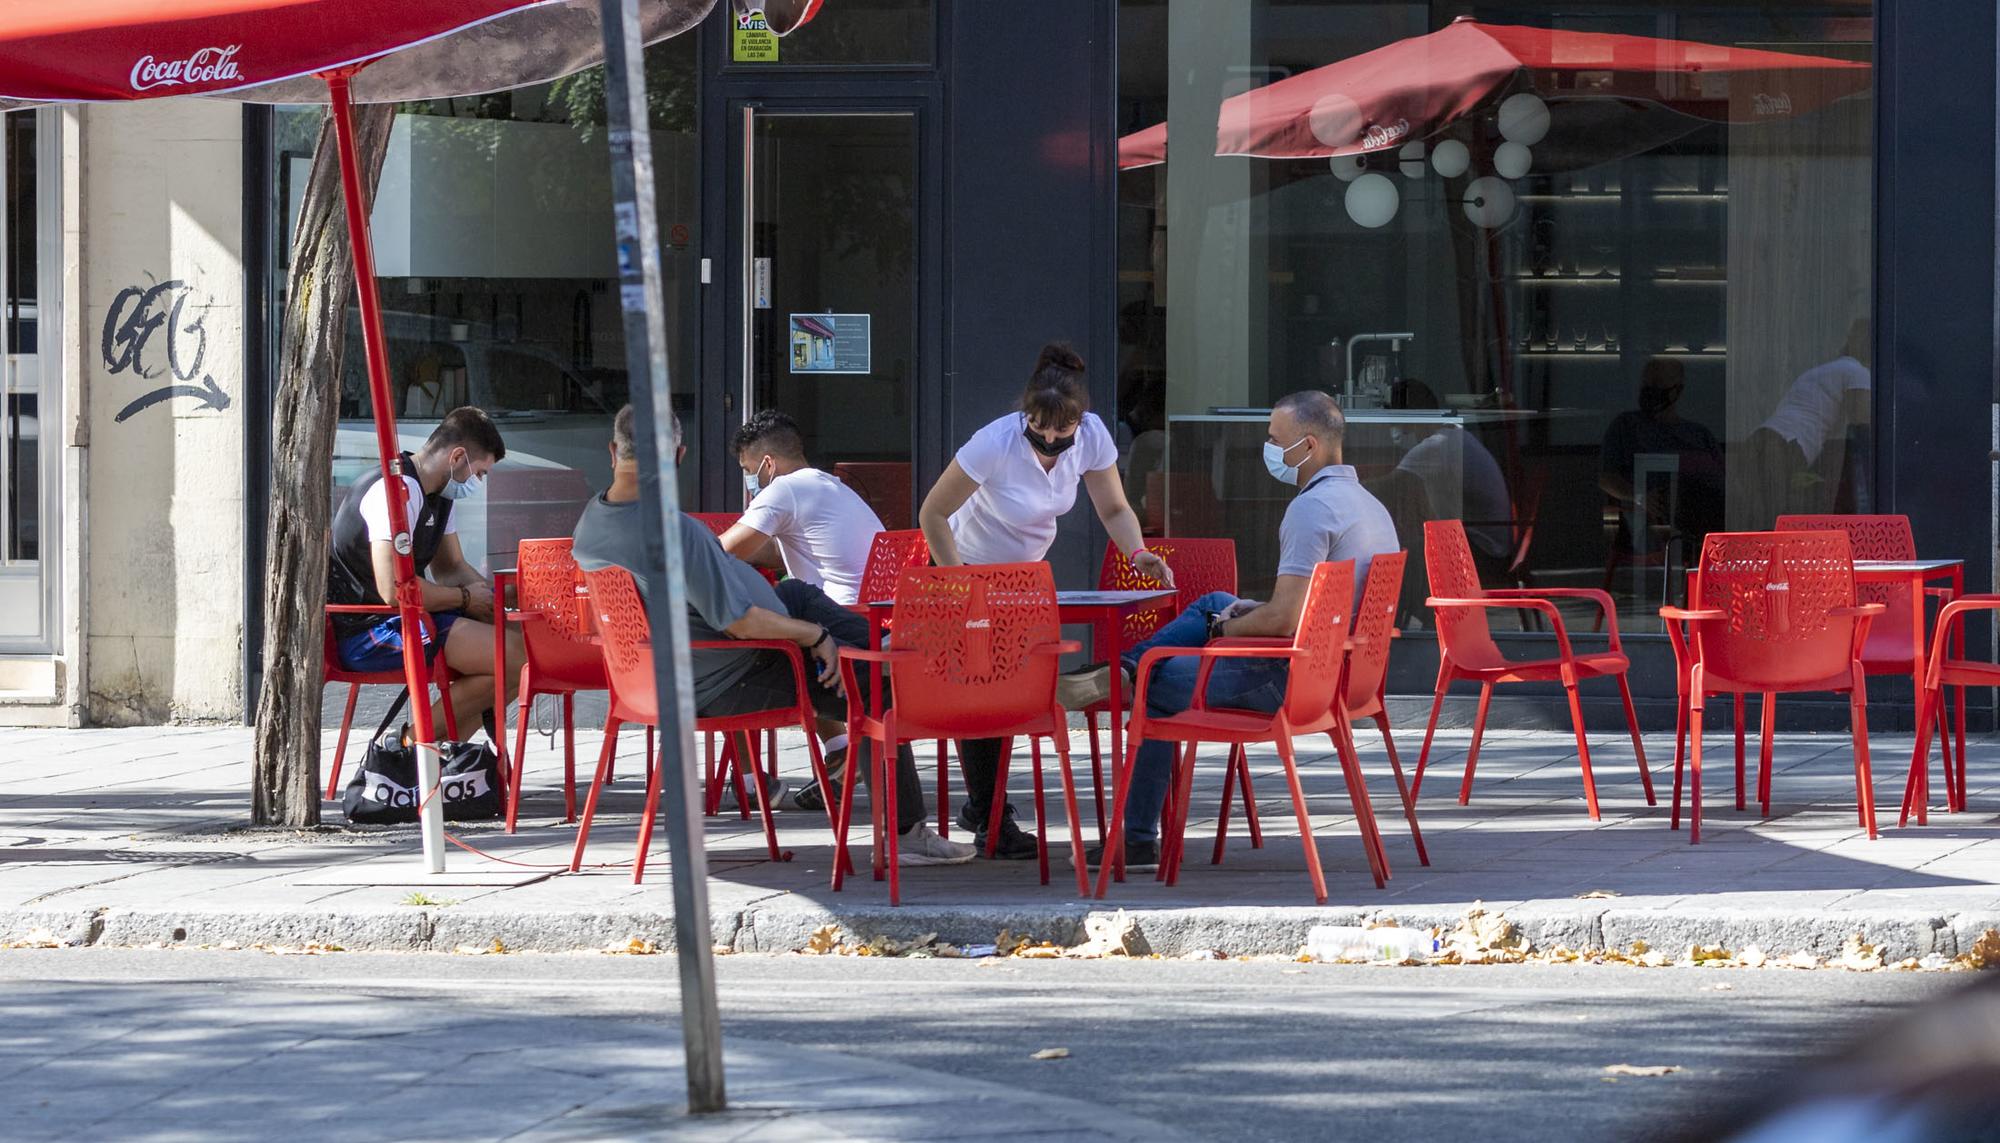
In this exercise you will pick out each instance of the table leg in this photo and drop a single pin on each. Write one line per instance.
(1957, 649)
(1916, 590)
(1111, 633)
(500, 671)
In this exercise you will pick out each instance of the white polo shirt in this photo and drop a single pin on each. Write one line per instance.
(1012, 517)
(822, 527)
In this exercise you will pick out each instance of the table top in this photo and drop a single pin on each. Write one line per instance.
(1905, 567)
(1127, 599)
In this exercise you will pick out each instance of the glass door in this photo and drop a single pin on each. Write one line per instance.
(828, 240)
(30, 505)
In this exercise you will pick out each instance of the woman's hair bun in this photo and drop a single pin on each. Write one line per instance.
(1061, 356)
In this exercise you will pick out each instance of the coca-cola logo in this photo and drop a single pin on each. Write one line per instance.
(1766, 104)
(1380, 135)
(205, 65)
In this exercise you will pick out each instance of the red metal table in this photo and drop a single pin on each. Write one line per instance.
(1917, 574)
(1104, 612)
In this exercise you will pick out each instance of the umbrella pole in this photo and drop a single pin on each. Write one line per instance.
(637, 234)
(409, 593)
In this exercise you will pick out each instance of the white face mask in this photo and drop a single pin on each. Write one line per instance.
(456, 489)
(1274, 460)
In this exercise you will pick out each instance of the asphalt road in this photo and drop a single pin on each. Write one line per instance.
(1262, 1050)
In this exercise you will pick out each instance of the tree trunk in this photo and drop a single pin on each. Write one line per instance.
(286, 786)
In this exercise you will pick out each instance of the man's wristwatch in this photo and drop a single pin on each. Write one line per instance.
(464, 598)
(1215, 621)
(824, 635)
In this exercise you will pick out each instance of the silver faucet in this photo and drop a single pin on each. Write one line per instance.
(1395, 341)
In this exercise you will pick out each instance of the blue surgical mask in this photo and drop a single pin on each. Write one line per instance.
(456, 489)
(753, 483)
(1274, 460)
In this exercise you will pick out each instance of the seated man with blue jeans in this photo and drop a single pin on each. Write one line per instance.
(729, 599)
(1332, 518)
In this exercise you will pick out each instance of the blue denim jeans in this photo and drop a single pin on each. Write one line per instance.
(1239, 684)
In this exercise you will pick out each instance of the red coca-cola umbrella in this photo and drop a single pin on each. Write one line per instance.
(1414, 88)
(312, 51)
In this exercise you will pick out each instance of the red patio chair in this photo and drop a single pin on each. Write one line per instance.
(1946, 669)
(628, 666)
(1775, 614)
(1200, 567)
(888, 557)
(1895, 636)
(1466, 651)
(1316, 654)
(561, 657)
(1367, 673)
(730, 764)
(975, 657)
(355, 680)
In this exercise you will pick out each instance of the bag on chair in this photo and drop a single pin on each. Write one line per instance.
(385, 789)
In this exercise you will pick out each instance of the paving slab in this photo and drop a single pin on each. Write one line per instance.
(171, 1062)
(119, 837)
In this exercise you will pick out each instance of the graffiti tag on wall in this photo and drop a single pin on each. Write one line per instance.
(154, 320)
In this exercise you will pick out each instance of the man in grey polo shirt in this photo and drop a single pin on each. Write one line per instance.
(729, 599)
(1333, 518)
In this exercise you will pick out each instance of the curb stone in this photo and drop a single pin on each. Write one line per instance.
(787, 925)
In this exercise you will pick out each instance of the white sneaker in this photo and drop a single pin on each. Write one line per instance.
(922, 846)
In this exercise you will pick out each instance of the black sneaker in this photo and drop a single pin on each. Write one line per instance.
(806, 797)
(1016, 844)
(1140, 856)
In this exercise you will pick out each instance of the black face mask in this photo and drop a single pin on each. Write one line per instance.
(1061, 445)
(1654, 400)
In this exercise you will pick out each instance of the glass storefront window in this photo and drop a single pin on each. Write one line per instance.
(1595, 305)
(493, 249)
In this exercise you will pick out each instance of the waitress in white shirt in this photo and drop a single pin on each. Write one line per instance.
(998, 503)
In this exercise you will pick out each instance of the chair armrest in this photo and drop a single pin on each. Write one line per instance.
(1595, 595)
(1059, 647)
(864, 655)
(362, 609)
(1250, 641)
(1685, 615)
(1211, 652)
(1857, 611)
(1516, 603)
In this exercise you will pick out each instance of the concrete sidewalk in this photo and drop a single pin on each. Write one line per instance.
(221, 1061)
(135, 837)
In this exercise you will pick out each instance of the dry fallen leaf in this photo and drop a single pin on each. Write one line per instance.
(1858, 955)
(1597, 894)
(1641, 1069)
(1051, 1054)
(1985, 951)
(636, 946)
(1799, 960)
(1707, 954)
(824, 940)
(1753, 957)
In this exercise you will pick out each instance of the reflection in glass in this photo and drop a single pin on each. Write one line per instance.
(492, 229)
(1706, 203)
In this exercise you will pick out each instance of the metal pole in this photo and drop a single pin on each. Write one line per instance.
(637, 233)
(409, 599)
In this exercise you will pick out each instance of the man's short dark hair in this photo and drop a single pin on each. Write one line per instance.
(770, 431)
(1317, 413)
(468, 427)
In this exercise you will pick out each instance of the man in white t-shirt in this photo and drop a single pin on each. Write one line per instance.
(802, 519)
(361, 565)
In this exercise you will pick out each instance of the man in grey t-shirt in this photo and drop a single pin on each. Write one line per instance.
(1333, 518)
(729, 599)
